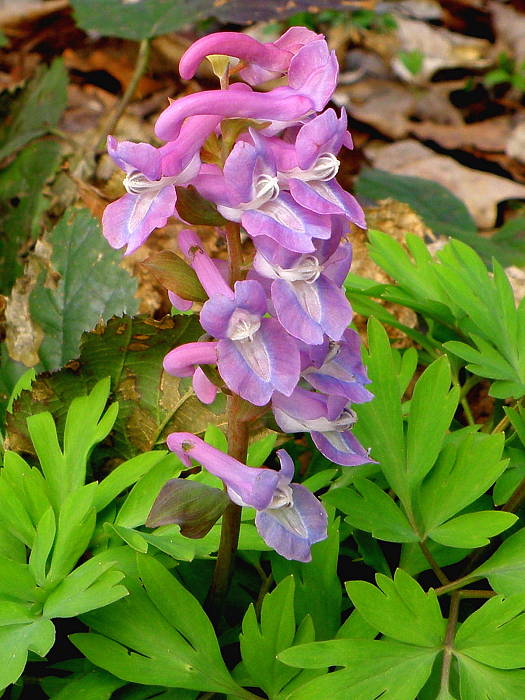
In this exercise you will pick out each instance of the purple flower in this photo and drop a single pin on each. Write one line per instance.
(150, 198)
(255, 356)
(289, 518)
(306, 300)
(327, 418)
(281, 104)
(184, 361)
(336, 368)
(210, 272)
(308, 169)
(248, 191)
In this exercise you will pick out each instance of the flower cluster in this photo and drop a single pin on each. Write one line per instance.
(280, 336)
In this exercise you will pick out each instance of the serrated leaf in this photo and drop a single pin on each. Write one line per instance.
(472, 529)
(505, 569)
(369, 508)
(38, 108)
(172, 642)
(90, 286)
(495, 634)
(22, 203)
(373, 669)
(151, 402)
(399, 609)
(262, 641)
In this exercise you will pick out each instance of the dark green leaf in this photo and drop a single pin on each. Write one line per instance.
(22, 203)
(38, 108)
(90, 286)
(176, 275)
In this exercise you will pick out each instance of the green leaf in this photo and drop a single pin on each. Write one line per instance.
(16, 641)
(369, 508)
(172, 641)
(437, 206)
(373, 669)
(260, 450)
(380, 423)
(76, 522)
(136, 20)
(400, 609)
(152, 403)
(91, 286)
(318, 575)
(495, 634)
(38, 108)
(42, 545)
(467, 466)
(505, 569)
(92, 585)
(16, 580)
(261, 642)
(22, 204)
(472, 529)
(480, 682)
(139, 502)
(432, 408)
(93, 684)
(412, 60)
(125, 475)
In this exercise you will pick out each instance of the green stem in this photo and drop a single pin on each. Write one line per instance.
(140, 69)
(454, 585)
(235, 256)
(442, 578)
(448, 642)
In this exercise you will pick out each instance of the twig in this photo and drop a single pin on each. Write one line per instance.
(454, 585)
(448, 642)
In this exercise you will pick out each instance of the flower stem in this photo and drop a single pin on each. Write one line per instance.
(443, 580)
(235, 256)
(448, 642)
(231, 519)
(517, 498)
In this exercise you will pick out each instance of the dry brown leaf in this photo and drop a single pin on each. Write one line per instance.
(387, 106)
(480, 191)
(439, 47)
(488, 135)
(516, 143)
(509, 26)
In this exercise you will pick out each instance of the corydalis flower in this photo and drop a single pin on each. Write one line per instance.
(184, 361)
(306, 290)
(255, 356)
(311, 67)
(289, 517)
(326, 418)
(151, 176)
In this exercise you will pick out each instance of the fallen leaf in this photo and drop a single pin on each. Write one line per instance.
(509, 26)
(391, 107)
(516, 143)
(439, 47)
(480, 191)
(487, 135)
